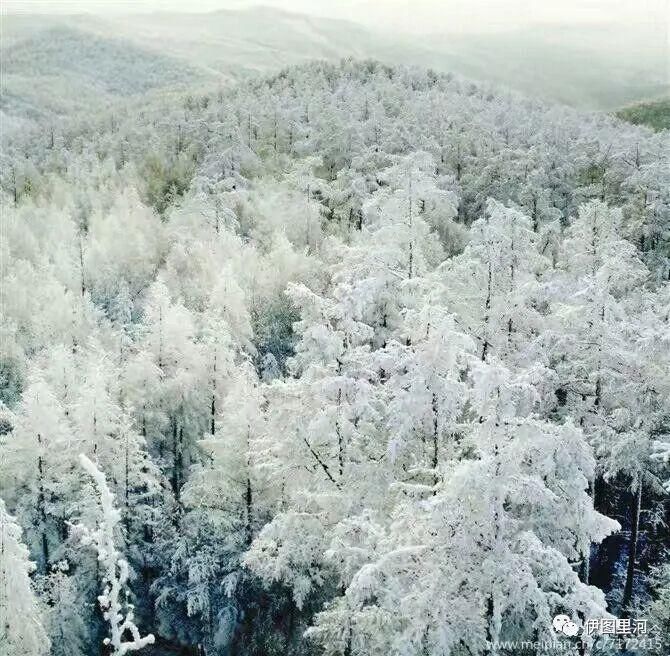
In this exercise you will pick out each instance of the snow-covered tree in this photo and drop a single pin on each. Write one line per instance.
(21, 623)
(225, 504)
(426, 393)
(488, 556)
(358, 347)
(116, 609)
(38, 469)
(492, 285)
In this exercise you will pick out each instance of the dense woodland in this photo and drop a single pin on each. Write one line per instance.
(350, 360)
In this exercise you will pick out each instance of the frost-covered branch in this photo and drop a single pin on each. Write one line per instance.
(115, 570)
(661, 453)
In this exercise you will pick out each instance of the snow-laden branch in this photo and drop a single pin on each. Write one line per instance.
(115, 570)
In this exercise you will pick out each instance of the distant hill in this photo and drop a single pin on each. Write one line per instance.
(601, 66)
(655, 115)
(66, 63)
(258, 39)
(595, 67)
(58, 69)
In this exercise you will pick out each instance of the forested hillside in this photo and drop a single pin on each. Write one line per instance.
(601, 65)
(57, 71)
(654, 114)
(349, 360)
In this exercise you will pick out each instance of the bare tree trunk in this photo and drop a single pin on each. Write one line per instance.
(212, 426)
(248, 502)
(487, 307)
(434, 460)
(489, 624)
(81, 267)
(338, 430)
(290, 628)
(347, 647)
(410, 262)
(636, 505)
(126, 492)
(586, 562)
(15, 191)
(41, 506)
(178, 460)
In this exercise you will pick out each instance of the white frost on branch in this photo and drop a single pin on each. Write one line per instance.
(115, 570)
(661, 453)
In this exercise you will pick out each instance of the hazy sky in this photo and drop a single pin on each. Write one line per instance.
(404, 15)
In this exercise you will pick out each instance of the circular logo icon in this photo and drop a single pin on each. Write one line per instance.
(570, 629)
(559, 622)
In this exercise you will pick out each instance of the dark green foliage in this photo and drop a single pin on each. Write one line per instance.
(655, 114)
(273, 328)
(166, 181)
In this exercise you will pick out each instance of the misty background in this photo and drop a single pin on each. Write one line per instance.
(63, 57)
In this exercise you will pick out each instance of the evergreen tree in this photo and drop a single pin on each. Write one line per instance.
(21, 625)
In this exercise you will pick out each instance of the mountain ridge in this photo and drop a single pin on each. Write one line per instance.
(180, 50)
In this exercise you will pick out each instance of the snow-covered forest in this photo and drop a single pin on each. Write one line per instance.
(350, 360)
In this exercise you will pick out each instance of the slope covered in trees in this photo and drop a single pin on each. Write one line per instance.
(60, 70)
(599, 65)
(374, 360)
(654, 114)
